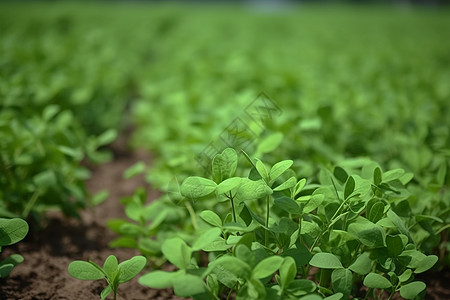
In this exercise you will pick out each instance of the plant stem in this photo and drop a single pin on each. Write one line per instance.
(367, 294)
(192, 214)
(30, 203)
(266, 242)
(232, 207)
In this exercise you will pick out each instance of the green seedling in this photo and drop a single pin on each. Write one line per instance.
(112, 271)
(270, 228)
(11, 232)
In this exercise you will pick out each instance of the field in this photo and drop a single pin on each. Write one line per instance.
(235, 151)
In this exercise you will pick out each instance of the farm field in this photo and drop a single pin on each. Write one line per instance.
(224, 151)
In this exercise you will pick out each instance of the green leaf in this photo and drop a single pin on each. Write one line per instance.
(299, 186)
(349, 187)
(12, 231)
(377, 176)
(134, 170)
(261, 168)
(130, 268)
(336, 296)
(314, 202)
(224, 165)
(99, 197)
(362, 264)
(340, 174)
(45, 179)
(426, 264)
(250, 190)
(5, 270)
(206, 238)
(367, 232)
(270, 143)
(196, 187)
(279, 168)
(342, 281)
(311, 297)
(393, 174)
(411, 258)
(288, 271)
(325, 260)
(267, 267)
(376, 212)
(394, 245)
(232, 265)
(188, 285)
(288, 205)
(286, 185)
(405, 276)
(85, 270)
(376, 281)
(300, 287)
(211, 218)
(398, 223)
(177, 252)
(411, 290)
(107, 137)
(228, 185)
(158, 279)
(110, 266)
(105, 292)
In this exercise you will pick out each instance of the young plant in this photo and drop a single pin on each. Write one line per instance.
(350, 227)
(112, 271)
(11, 232)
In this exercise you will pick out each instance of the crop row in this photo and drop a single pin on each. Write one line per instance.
(347, 107)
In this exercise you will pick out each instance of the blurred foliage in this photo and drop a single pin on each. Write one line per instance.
(349, 81)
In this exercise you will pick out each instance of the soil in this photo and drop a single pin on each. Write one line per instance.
(48, 252)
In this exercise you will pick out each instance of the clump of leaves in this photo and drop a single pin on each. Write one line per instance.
(11, 232)
(277, 227)
(112, 271)
(40, 161)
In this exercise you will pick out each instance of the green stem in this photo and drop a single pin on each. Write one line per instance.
(266, 243)
(31, 203)
(192, 214)
(232, 206)
(367, 294)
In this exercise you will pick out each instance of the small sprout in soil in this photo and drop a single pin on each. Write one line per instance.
(112, 271)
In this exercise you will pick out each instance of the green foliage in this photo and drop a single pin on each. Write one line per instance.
(263, 245)
(11, 232)
(40, 161)
(112, 271)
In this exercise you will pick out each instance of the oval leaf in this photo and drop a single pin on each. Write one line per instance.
(228, 184)
(130, 268)
(411, 290)
(12, 231)
(267, 267)
(206, 238)
(349, 187)
(279, 168)
(211, 218)
(325, 261)
(196, 187)
(85, 270)
(376, 281)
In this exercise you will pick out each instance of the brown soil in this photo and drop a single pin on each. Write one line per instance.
(48, 252)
